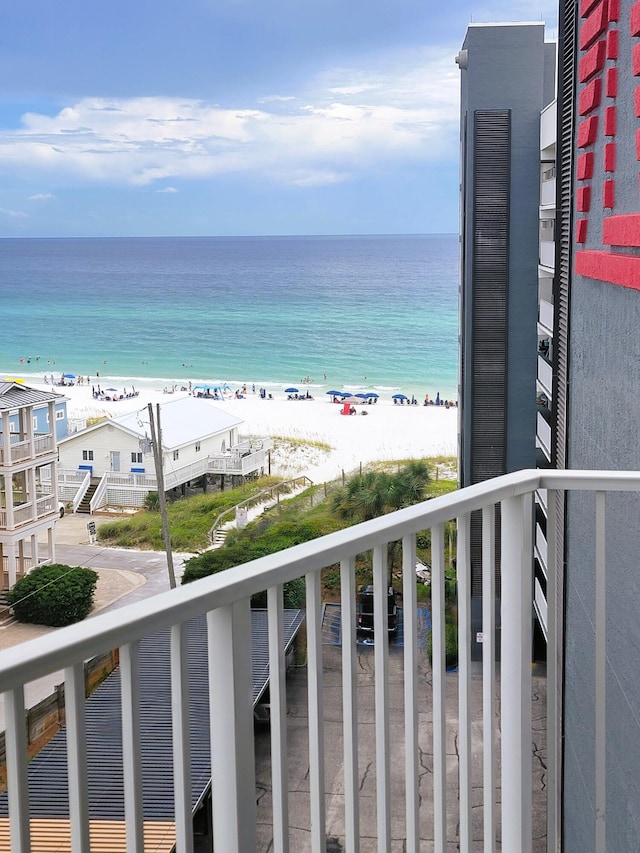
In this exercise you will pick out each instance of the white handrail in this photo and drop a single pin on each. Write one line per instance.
(225, 597)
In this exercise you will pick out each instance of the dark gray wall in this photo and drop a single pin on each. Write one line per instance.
(603, 427)
(505, 69)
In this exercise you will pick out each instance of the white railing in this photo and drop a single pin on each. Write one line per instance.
(503, 730)
(543, 435)
(548, 253)
(177, 476)
(542, 549)
(548, 192)
(234, 463)
(545, 315)
(82, 489)
(98, 497)
(545, 376)
(43, 444)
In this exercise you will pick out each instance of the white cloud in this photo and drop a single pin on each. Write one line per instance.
(346, 122)
(167, 190)
(41, 197)
(13, 214)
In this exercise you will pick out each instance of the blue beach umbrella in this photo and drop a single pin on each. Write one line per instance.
(69, 376)
(372, 395)
(290, 390)
(361, 396)
(335, 393)
(399, 397)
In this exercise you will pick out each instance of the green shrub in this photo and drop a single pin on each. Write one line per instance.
(152, 502)
(450, 642)
(54, 595)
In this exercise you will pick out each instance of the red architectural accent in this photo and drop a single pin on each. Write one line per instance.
(634, 19)
(581, 231)
(586, 6)
(590, 97)
(612, 82)
(587, 131)
(595, 25)
(608, 194)
(614, 10)
(585, 165)
(610, 121)
(636, 100)
(610, 157)
(592, 61)
(612, 44)
(583, 199)
(622, 230)
(623, 270)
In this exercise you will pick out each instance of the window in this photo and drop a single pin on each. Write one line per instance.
(176, 455)
(35, 423)
(59, 415)
(197, 447)
(87, 455)
(13, 427)
(136, 458)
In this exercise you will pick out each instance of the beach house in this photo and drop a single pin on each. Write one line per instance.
(111, 463)
(28, 460)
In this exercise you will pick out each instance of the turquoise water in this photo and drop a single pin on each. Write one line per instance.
(375, 312)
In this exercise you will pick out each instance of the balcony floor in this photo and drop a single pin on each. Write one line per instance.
(298, 758)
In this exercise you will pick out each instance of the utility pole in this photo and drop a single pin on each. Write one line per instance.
(156, 443)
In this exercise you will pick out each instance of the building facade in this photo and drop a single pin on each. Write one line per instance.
(507, 77)
(28, 462)
(600, 78)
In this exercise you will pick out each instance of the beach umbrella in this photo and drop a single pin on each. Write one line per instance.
(113, 390)
(399, 397)
(362, 396)
(290, 390)
(69, 375)
(372, 395)
(335, 393)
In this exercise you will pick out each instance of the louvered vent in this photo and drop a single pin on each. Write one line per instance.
(492, 139)
(492, 167)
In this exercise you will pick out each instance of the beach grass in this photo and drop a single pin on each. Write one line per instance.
(190, 520)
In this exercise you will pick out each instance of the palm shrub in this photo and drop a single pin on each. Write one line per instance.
(54, 595)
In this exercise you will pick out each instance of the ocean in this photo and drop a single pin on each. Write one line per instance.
(361, 313)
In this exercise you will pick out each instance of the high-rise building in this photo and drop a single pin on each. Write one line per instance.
(507, 77)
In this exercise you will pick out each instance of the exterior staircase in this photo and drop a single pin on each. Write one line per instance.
(85, 503)
(6, 616)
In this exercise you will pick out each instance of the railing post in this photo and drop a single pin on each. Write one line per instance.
(515, 672)
(232, 748)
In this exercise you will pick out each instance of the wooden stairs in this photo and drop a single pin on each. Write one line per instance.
(85, 503)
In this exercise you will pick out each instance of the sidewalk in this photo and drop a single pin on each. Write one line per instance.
(114, 587)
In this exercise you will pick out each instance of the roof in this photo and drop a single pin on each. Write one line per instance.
(15, 395)
(48, 784)
(182, 421)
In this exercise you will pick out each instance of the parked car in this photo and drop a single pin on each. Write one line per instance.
(364, 610)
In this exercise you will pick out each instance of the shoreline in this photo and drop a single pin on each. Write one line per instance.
(314, 437)
(317, 386)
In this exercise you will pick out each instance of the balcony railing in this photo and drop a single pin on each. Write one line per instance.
(21, 449)
(548, 253)
(501, 732)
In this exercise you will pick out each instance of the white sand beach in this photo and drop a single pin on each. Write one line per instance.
(386, 432)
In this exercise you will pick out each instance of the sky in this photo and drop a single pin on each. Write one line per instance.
(234, 117)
